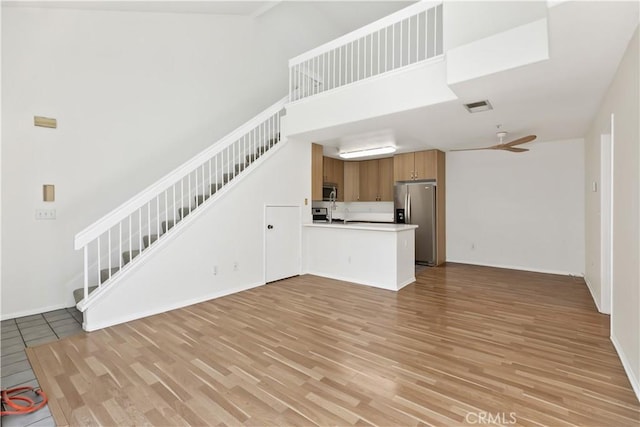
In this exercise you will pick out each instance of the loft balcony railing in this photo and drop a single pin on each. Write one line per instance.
(409, 36)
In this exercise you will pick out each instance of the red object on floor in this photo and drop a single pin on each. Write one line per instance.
(21, 404)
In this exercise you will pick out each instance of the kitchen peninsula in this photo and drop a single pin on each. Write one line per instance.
(379, 255)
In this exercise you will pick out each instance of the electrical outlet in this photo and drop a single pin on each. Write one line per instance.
(215, 270)
(45, 214)
(235, 266)
(473, 246)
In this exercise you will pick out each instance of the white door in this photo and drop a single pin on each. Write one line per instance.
(282, 242)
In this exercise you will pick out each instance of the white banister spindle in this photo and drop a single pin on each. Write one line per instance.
(189, 192)
(140, 229)
(409, 41)
(149, 221)
(130, 239)
(166, 208)
(120, 244)
(109, 253)
(417, 38)
(158, 216)
(99, 260)
(86, 271)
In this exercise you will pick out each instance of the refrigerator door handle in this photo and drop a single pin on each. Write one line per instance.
(408, 206)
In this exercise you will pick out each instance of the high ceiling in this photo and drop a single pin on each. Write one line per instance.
(242, 8)
(554, 99)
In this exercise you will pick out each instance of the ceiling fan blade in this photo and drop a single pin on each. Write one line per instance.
(515, 149)
(519, 141)
(472, 149)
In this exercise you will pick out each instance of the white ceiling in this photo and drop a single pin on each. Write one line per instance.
(238, 7)
(553, 99)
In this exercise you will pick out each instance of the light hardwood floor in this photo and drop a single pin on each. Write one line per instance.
(462, 343)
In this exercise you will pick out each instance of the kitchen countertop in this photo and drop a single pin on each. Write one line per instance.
(389, 227)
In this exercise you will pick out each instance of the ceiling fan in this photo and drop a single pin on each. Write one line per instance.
(506, 146)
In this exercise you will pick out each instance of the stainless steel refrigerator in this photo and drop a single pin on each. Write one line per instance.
(415, 203)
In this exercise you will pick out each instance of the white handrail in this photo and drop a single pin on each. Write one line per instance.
(366, 30)
(102, 225)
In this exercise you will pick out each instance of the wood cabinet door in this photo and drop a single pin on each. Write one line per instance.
(385, 179)
(351, 181)
(337, 176)
(426, 164)
(369, 180)
(316, 172)
(403, 166)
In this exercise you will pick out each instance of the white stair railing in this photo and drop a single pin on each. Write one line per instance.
(111, 243)
(409, 36)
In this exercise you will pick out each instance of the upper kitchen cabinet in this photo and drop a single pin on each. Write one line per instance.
(333, 173)
(316, 172)
(376, 180)
(351, 191)
(385, 179)
(416, 166)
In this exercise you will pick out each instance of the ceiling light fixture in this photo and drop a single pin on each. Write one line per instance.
(368, 152)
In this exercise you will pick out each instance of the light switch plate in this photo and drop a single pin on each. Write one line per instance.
(45, 214)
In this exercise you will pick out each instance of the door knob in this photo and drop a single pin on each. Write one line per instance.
(269, 226)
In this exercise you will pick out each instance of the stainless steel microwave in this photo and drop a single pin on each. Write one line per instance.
(327, 188)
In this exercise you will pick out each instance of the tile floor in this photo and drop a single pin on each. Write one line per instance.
(29, 331)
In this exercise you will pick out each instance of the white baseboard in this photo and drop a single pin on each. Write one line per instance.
(94, 326)
(33, 311)
(518, 267)
(626, 364)
(354, 280)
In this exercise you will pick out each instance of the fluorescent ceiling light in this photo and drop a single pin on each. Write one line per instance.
(368, 152)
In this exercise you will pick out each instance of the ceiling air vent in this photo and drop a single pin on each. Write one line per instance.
(476, 107)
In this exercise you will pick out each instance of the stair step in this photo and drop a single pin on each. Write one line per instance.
(215, 187)
(168, 225)
(105, 275)
(250, 158)
(226, 177)
(261, 150)
(147, 240)
(201, 198)
(129, 255)
(78, 294)
(183, 212)
(240, 167)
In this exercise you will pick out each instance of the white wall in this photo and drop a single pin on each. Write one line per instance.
(230, 231)
(474, 20)
(135, 95)
(621, 99)
(518, 210)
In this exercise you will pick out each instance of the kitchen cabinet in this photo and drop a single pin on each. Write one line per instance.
(351, 191)
(376, 180)
(416, 166)
(385, 179)
(316, 172)
(333, 172)
(369, 180)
